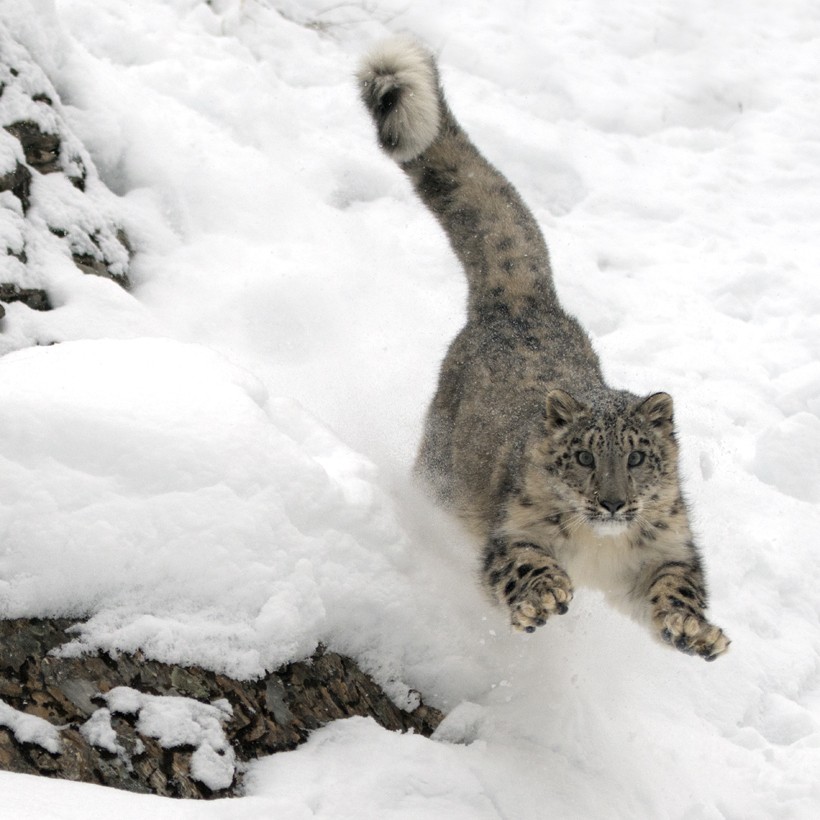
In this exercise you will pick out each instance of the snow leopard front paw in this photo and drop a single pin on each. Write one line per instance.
(536, 591)
(691, 634)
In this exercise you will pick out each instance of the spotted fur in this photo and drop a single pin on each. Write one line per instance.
(558, 475)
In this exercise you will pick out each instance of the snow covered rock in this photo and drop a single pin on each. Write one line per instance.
(53, 207)
(155, 487)
(126, 721)
(30, 728)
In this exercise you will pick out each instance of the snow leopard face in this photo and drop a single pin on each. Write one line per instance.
(609, 467)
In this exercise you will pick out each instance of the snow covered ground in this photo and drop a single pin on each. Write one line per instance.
(217, 468)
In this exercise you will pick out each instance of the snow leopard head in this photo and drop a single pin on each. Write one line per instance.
(609, 463)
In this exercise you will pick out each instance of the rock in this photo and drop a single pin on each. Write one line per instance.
(42, 150)
(99, 703)
(35, 298)
(18, 181)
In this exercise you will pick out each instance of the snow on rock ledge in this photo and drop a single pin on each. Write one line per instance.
(179, 721)
(126, 721)
(151, 485)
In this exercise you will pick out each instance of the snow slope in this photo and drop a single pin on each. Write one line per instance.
(217, 469)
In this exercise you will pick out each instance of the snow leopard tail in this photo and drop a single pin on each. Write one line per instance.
(492, 231)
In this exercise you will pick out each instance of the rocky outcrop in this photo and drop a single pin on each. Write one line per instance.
(137, 724)
(52, 201)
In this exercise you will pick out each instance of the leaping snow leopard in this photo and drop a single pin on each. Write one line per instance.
(558, 475)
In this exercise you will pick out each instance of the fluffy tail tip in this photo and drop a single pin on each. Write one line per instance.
(398, 82)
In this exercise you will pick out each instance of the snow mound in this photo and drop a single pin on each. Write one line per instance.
(788, 456)
(340, 773)
(152, 485)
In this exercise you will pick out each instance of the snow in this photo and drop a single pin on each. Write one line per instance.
(29, 97)
(30, 728)
(215, 467)
(98, 731)
(177, 721)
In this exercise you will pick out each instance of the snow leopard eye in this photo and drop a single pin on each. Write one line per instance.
(636, 458)
(585, 458)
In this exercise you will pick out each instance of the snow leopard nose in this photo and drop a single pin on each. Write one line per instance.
(612, 504)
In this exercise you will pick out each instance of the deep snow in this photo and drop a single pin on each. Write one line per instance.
(217, 468)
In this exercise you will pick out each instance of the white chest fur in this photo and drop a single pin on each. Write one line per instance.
(603, 558)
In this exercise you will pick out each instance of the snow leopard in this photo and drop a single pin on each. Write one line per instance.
(561, 478)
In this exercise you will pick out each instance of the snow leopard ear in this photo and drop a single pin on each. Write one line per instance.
(658, 410)
(561, 408)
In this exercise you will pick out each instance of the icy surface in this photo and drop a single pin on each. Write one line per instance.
(215, 467)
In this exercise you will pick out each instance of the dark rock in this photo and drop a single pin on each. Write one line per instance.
(269, 715)
(18, 182)
(35, 298)
(42, 150)
(98, 267)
